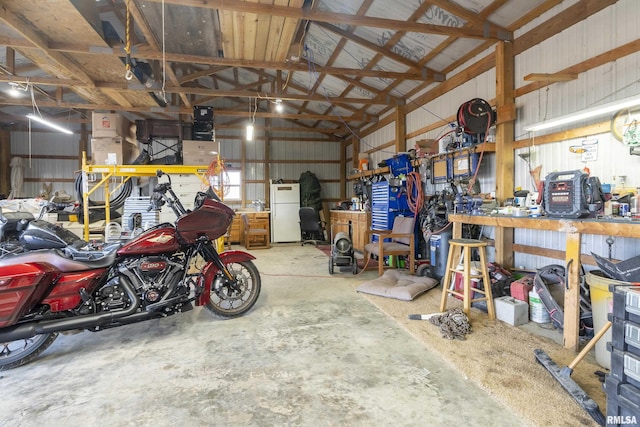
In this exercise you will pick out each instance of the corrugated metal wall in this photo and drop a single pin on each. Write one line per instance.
(609, 82)
(289, 159)
(614, 80)
(41, 145)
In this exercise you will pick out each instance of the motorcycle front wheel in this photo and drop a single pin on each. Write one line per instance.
(19, 352)
(232, 299)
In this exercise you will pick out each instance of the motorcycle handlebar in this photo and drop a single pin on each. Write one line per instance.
(162, 188)
(60, 206)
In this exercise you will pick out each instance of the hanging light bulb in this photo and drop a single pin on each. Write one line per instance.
(249, 132)
(279, 106)
(17, 90)
(252, 115)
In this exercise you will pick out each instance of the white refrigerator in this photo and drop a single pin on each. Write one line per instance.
(285, 220)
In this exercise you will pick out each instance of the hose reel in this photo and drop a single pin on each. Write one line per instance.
(476, 116)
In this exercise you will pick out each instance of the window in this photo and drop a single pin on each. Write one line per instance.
(232, 184)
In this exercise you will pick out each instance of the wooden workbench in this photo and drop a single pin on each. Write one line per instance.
(574, 229)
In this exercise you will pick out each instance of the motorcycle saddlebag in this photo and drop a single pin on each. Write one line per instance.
(21, 287)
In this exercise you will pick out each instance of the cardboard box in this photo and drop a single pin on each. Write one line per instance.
(109, 125)
(427, 146)
(198, 152)
(112, 151)
(464, 165)
(441, 170)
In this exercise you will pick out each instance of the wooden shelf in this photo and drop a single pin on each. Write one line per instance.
(487, 147)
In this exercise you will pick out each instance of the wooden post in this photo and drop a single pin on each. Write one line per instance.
(267, 162)
(82, 143)
(504, 146)
(571, 332)
(401, 129)
(343, 165)
(5, 160)
(243, 166)
(355, 152)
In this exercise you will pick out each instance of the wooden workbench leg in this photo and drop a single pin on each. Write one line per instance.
(457, 230)
(572, 295)
(504, 246)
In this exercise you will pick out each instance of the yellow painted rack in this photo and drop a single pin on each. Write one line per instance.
(125, 171)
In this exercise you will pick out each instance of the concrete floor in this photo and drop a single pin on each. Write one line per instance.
(312, 352)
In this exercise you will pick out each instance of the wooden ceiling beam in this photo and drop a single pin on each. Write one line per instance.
(474, 19)
(550, 77)
(395, 38)
(214, 93)
(320, 98)
(28, 32)
(388, 53)
(449, 41)
(362, 10)
(143, 25)
(148, 53)
(184, 110)
(200, 74)
(489, 32)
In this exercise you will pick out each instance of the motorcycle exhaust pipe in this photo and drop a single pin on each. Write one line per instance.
(29, 330)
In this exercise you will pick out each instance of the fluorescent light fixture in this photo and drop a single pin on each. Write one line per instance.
(48, 123)
(587, 114)
(249, 132)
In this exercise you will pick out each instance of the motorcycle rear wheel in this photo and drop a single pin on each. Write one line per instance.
(20, 352)
(228, 302)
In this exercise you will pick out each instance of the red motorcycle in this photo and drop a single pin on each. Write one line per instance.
(163, 271)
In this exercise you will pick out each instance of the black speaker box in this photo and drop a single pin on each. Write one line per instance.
(203, 114)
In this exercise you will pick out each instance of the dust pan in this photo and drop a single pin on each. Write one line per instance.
(563, 376)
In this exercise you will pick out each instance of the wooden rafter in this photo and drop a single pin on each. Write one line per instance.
(490, 32)
(138, 17)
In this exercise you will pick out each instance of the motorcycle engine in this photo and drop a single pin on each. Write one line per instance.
(155, 275)
(153, 278)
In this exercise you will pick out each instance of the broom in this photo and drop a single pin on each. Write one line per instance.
(563, 376)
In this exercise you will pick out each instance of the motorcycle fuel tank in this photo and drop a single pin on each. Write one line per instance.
(44, 235)
(157, 240)
(212, 219)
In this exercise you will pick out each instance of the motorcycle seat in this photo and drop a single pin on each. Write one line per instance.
(91, 254)
(59, 260)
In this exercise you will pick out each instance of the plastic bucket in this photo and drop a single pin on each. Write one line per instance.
(538, 311)
(601, 306)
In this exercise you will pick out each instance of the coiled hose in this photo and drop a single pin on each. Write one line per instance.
(415, 192)
(114, 203)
